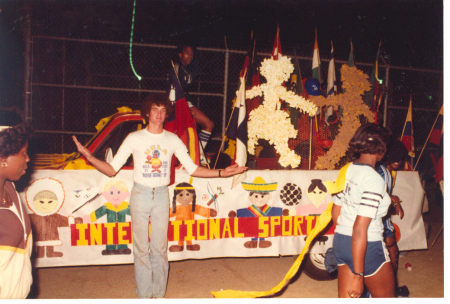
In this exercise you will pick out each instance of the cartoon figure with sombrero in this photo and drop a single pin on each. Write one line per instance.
(259, 196)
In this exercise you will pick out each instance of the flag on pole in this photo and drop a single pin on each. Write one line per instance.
(253, 78)
(237, 128)
(252, 69)
(276, 50)
(296, 85)
(370, 96)
(331, 87)
(296, 78)
(351, 60)
(408, 137)
(237, 131)
(316, 73)
(181, 123)
(436, 133)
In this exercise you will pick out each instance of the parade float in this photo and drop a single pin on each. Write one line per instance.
(268, 213)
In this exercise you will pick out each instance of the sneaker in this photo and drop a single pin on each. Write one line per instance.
(402, 292)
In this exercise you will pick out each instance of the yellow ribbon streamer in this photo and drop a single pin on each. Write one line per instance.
(321, 222)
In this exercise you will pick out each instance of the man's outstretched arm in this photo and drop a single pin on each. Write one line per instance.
(100, 165)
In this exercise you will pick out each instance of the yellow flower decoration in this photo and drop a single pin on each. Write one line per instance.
(355, 83)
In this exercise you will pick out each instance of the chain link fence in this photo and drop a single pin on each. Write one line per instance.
(77, 82)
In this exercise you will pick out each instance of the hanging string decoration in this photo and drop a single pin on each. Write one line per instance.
(131, 43)
(354, 84)
(268, 121)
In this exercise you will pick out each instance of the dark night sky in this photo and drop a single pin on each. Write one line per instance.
(411, 31)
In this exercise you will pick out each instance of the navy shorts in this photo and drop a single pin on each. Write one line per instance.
(376, 254)
(389, 230)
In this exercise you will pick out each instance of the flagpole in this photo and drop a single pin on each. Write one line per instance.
(427, 138)
(310, 141)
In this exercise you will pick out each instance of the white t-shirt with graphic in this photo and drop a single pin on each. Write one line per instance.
(365, 195)
(152, 156)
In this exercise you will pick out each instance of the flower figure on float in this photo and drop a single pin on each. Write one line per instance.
(268, 121)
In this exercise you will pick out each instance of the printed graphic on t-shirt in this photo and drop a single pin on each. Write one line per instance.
(155, 165)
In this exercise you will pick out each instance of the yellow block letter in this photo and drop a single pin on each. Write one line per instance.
(214, 229)
(264, 227)
(82, 233)
(201, 222)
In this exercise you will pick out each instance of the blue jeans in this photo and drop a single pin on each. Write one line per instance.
(151, 265)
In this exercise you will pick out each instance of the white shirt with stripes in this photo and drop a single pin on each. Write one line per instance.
(365, 195)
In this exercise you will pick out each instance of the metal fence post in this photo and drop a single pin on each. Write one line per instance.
(27, 70)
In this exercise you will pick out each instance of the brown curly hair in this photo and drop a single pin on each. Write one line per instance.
(158, 100)
(371, 139)
(13, 139)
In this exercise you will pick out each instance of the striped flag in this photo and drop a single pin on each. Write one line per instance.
(408, 137)
(438, 129)
(237, 128)
(316, 62)
(237, 131)
(181, 123)
(276, 45)
(351, 60)
(331, 87)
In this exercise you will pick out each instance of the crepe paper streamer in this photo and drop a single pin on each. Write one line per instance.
(321, 222)
(339, 184)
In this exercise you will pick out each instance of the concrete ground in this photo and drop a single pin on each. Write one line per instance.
(197, 278)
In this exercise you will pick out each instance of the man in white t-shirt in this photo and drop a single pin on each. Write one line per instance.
(150, 195)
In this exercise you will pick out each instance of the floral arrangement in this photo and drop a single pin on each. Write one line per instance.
(354, 84)
(268, 121)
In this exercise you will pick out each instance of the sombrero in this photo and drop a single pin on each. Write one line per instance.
(259, 185)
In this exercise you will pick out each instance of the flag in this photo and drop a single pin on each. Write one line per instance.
(252, 68)
(237, 128)
(276, 50)
(370, 96)
(236, 133)
(296, 85)
(331, 87)
(438, 167)
(296, 78)
(351, 60)
(181, 123)
(253, 79)
(436, 133)
(408, 137)
(316, 62)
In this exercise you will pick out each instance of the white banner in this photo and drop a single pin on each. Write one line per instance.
(76, 222)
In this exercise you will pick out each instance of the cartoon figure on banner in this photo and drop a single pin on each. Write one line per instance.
(184, 208)
(116, 209)
(318, 194)
(259, 196)
(45, 219)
